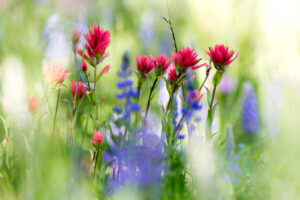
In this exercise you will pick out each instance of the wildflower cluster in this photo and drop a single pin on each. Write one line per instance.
(124, 148)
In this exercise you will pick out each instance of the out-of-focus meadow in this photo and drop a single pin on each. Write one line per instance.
(264, 32)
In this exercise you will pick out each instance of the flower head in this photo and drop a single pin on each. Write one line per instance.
(145, 64)
(173, 74)
(221, 56)
(163, 63)
(55, 73)
(98, 138)
(81, 89)
(186, 58)
(84, 66)
(105, 70)
(97, 42)
(33, 105)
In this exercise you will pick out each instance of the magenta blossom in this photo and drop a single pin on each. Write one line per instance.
(145, 64)
(221, 56)
(98, 138)
(163, 64)
(173, 74)
(97, 42)
(186, 58)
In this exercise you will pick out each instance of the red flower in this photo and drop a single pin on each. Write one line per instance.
(55, 73)
(173, 74)
(221, 56)
(105, 70)
(163, 63)
(98, 40)
(34, 104)
(146, 65)
(80, 90)
(186, 58)
(84, 66)
(98, 138)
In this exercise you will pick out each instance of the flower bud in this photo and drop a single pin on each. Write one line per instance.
(98, 138)
(33, 105)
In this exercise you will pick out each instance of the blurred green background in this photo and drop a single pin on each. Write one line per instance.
(264, 32)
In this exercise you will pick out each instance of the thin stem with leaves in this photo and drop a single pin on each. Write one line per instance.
(149, 99)
(56, 109)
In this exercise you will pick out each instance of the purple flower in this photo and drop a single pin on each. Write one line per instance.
(127, 92)
(251, 123)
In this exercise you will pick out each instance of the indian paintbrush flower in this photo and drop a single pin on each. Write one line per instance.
(173, 74)
(221, 56)
(145, 64)
(84, 66)
(81, 89)
(98, 138)
(163, 63)
(97, 42)
(186, 58)
(55, 73)
(33, 104)
(105, 70)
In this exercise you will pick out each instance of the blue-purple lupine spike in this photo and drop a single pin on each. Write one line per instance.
(251, 123)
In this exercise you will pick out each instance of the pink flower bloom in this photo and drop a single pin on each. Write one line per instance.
(163, 63)
(105, 70)
(33, 105)
(98, 40)
(55, 73)
(186, 58)
(173, 74)
(195, 96)
(84, 66)
(145, 64)
(98, 138)
(221, 56)
(80, 90)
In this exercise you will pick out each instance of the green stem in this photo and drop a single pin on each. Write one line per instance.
(138, 98)
(96, 160)
(209, 119)
(56, 109)
(95, 84)
(87, 79)
(212, 98)
(203, 82)
(169, 105)
(149, 99)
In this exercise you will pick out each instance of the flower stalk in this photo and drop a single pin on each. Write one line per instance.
(56, 109)
(149, 99)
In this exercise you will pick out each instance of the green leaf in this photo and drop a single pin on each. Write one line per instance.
(217, 78)
(92, 98)
(3, 128)
(208, 96)
(1, 156)
(213, 110)
(112, 135)
(9, 154)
